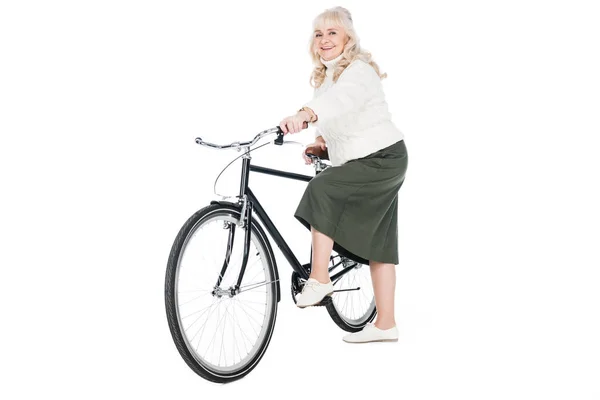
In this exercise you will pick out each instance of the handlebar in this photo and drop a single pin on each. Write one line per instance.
(239, 145)
(317, 161)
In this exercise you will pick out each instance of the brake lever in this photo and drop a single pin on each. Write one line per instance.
(279, 140)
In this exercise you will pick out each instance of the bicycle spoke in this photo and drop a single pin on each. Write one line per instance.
(217, 329)
(191, 291)
(242, 331)
(196, 312)
(203, 326)
(249, 317)
(195, 298)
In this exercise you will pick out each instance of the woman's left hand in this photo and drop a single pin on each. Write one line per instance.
(295, 123)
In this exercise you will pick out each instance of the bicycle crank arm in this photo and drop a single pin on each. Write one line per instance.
(345, 290)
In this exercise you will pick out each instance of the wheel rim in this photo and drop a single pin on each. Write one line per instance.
(355, 307)
(223, 334)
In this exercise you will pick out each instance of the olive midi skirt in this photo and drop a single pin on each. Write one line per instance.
(356, 204)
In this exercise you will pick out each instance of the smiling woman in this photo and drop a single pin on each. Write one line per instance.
(351, 208)
(333, 35)
(332, 42)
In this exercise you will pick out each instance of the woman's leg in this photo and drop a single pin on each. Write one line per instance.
(322, 245)
(384, 285)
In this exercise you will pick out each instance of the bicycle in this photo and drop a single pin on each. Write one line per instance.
(210, 273)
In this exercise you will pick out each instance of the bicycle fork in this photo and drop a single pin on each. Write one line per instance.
(245, 223)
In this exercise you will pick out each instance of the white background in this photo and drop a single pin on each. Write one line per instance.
(498, 283)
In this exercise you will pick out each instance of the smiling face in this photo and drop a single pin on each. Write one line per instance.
(329, 41)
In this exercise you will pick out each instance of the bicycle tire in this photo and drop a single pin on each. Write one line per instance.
(258, 235)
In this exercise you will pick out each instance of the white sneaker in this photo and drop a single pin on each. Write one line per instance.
(371, 333)
(313, 292)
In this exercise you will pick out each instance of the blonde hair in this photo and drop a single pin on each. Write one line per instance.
(338, 17)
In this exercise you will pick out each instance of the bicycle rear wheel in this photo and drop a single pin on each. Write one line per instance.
(221, 335)
(352, 308)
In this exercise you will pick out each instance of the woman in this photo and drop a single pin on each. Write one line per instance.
(352, 206)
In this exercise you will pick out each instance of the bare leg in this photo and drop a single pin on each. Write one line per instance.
(322, 245)
(384, 285)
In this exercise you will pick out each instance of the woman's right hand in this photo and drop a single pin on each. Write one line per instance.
(318, 148)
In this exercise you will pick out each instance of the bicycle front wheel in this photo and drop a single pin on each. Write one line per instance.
(221, 335)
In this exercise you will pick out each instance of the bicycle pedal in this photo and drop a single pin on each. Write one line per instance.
(327, 300)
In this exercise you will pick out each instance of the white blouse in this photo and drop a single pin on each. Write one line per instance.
(353, 115)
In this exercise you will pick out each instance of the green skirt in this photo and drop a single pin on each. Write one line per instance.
(356, 204)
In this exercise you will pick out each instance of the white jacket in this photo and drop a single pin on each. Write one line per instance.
(353, 115)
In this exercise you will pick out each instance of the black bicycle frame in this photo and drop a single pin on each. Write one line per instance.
(264, 217)
(254, 205)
